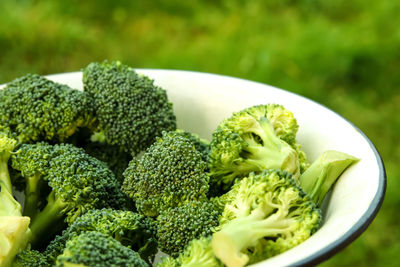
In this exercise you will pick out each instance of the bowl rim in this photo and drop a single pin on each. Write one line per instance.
(364, 221)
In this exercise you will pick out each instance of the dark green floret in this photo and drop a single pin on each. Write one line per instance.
(38, 109)
(265, 214)
(252, 140)
(169, 174)
(100, 250)
(30, 258)
(178, 226)
(78, 183)
(130, 109)
(131, 229)
(201, 145)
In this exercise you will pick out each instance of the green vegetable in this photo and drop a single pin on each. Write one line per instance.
(37, 109)
(30, 258)
(323, 173)
(265, 214)
(131, 229)
(178, 226)
(130, 109)
(169, 174)
(252, 140)
(97, 249)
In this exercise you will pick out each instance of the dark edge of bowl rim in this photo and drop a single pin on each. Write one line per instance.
(361, 225)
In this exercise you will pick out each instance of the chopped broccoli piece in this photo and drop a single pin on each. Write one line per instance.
(30, 258)
(78, 183)
(130, 109)
(178, 226)
(131, 229)
(322, 174)
(97, 249)
(169, 174)
(14, 228)
(201, 145)
(38, 109)
(253, 140)
(265, 214)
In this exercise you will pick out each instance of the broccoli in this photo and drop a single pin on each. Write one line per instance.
(322, 173)
(33, 162)
(198, 253)
(265, 214)
(14, 228)
(30, 258)
(116, 159)
(38, 109)
(97, 249)
(169, 174)
(178, 226)
(78, 183)
(131, 111)
(131, 229)
(252, 140)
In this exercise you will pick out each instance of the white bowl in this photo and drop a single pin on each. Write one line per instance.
(201, 101)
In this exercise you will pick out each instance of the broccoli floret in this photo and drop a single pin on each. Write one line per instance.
(253, 140)
(30, 258)
(116, 159)
(265, 214)
(322, 174)
(78, 183)
(178, 226)
(14, 228)
(131, 229)
(38, 109)
(198, 253)
(130, 109)
(33, 162)
(169, 174)
(97, 249)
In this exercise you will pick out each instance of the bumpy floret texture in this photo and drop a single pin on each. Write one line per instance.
(169, 174)
(252, 140)
(201, 145)
(131, 229)
(97, 249)
(130, 109)
(178, 226)
(37, 109)
(265, 214)
(30, 258)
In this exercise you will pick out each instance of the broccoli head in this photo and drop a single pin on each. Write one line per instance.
(265, 214)
(178, 226)
(97, 249)
(169, 174)
(38, 109)
(30, 258)
(201, 145)
(78, 183)
(130, 109)
(129, 228)
(252, 140)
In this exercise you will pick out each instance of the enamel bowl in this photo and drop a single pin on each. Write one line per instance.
(201, 101)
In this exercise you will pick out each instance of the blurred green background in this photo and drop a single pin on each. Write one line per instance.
(344, 54)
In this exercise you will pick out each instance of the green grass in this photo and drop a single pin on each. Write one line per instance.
(344, 54)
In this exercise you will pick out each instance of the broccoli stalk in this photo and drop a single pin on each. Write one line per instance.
(322, 173)
(14, 231)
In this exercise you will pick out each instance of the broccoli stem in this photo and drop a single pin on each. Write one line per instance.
(242, 232)
(32, 192)
(8, 205)
(322, 173)
(5, 180)
(269, 152)
(43, 224)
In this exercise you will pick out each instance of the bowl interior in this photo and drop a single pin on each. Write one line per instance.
(201, 101)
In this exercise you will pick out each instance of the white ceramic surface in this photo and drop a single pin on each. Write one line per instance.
(202, 100)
